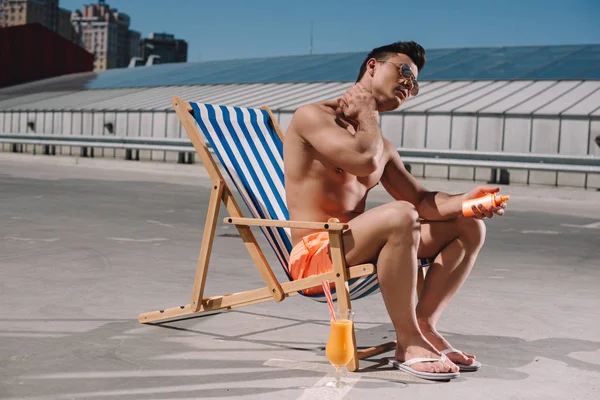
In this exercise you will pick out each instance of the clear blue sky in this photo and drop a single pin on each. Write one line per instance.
(230, 29)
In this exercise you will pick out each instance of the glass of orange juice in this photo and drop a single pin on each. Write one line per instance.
(340, 347)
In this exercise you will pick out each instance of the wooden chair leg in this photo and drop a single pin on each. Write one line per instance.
(208, 237)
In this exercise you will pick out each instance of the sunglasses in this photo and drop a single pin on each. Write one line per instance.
(407, 74)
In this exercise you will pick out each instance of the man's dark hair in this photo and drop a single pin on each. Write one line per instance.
(412, 49)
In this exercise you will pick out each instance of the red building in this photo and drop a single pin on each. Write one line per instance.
(32, 52)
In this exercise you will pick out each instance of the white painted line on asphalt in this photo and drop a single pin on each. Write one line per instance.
(30, 239)
(159, 223)
(593, 225)
(501, 270)
(542, 232)
(137, 240)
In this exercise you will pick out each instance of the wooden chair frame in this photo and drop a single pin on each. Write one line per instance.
(274, 290)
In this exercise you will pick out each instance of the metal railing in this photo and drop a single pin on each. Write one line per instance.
(587, 164)
(527, 161)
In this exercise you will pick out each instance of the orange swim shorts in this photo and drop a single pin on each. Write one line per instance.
(309, 257)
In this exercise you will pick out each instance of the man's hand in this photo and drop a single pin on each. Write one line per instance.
(480, 211)
(357, 103)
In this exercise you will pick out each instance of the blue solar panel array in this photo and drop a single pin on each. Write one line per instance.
(485, 63)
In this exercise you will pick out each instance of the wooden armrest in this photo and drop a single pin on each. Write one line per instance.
(329, 226)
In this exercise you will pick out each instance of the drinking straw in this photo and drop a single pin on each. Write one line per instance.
(327, 291)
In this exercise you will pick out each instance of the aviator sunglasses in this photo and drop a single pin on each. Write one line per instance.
(407, 74)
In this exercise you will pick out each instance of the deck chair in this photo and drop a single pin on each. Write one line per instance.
(249, 146)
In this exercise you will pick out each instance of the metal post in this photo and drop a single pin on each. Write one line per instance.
(558, 145)
(530, 143)
(103, 127)
(476, 142)
(588, 148)
(151, 133)
(53, 146)
(137, 152)
(503, 132)
(20, 130)
(166, 128)
(402, 138)
(70, 147)
(450, 140)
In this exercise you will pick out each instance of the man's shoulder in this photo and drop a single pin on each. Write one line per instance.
(313, 111)
(310, 118)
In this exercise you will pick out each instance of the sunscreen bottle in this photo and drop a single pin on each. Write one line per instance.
(489, 200)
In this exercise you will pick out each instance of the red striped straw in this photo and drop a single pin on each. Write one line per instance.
(327, 291)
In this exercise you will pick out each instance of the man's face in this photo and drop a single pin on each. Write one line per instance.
(390, 87)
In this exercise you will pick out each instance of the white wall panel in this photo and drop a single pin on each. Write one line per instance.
(38, 120)
(133, 124)
(438, 132)
(146, 124)
(574, 137)
(545, 135)
(516, 140)
(391, 127)
(489, 134)
(545, 141)
(174, 129)
(414, 131)
(88, 122)
(98, 124)
(66, 123)
(22, 121)
(463, 138)
(77, 127)
(57, 126)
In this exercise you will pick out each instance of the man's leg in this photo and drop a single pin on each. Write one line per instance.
(457, 244)
(389, 236)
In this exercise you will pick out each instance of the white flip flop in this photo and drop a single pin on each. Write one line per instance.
(434, 376)
(474, 366)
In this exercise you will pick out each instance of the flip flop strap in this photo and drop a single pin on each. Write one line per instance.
(422, 359)
(451, 350)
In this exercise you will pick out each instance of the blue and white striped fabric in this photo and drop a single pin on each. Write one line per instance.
(252, 153)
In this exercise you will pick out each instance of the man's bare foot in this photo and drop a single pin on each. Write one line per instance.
(419, 347)
(440, 343)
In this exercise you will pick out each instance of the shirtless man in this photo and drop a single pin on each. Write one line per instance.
(334, 153)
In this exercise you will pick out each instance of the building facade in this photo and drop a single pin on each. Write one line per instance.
(44, 12)
(165, 46)
(105, 33)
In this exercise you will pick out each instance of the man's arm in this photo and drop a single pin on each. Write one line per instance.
(431, 206)
(359, 154)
